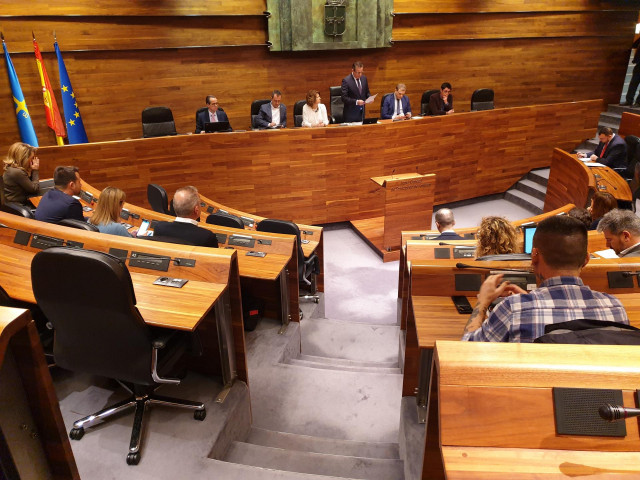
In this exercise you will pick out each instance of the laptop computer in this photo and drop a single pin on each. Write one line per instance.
(369, 121)
(210, 127)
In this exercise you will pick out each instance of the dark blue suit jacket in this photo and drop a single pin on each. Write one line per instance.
(56, 205)
(448, 236)
(198, 236)
(615, 156)
(203, 117)
(351, 94)
(264, 116)
(389, 106)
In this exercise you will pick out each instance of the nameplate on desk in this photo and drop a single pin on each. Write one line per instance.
(222, 238)
(42, 241)
(441, 253)
(209, 209)
(22, 238)
(150, 261)
(241, 241)
(262, 241)
(469, 282)
(86, 196)
(464, 252)
(119, 253)
(620, 279)
(124, 214)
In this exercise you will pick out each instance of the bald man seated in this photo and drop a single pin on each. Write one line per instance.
(445, 224)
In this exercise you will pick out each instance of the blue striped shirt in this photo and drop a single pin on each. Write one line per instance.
(522, 318)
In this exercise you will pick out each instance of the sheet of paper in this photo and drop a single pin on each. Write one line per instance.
(594, 164)
(371, 98)
(609, 253)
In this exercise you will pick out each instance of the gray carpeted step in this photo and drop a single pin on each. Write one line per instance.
(332, 446)
(315, 463)
(611, 117)
(525, 200)
(343, 368)
(532, 188)
(347, 363)
(539, 175)
(619, 109)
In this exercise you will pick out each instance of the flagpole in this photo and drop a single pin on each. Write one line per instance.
(54, 120)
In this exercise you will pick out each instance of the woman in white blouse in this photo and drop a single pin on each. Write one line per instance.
(314, 114)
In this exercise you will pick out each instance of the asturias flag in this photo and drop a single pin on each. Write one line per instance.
(50, 105)
(27, 133)
(75, 127)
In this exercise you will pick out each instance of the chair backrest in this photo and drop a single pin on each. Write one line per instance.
(157, 198)
(116, 342)
(1, 191)
(79, 224)
(225, 219)
(424, 101)
(297, 112)
(482, 99)
(157, 122)
(288, 228)
(255, 109)
(632, 154)
(382, 100)
(337, 105)
(17, 209)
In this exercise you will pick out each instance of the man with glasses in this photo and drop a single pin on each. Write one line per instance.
(211, 114)
(441, 103)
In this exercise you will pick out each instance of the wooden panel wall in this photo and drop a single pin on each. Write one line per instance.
(124, 56)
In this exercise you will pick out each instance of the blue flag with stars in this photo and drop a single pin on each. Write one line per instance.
(27, 133)
(75, 127)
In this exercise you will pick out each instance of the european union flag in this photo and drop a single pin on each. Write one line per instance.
(27, 133)
(75, 127)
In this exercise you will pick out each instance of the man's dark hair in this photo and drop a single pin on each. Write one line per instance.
(562, 241)
(208, 99)
(581, 214)
(606, 131)
(357, 64)
(63, 175)
(276, 92)
(446, 85)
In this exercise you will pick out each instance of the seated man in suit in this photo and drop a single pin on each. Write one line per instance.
(396, 106)
(444, 224)
(272, 114)
(186, 204)
(558, 255)
(611, 151)
(59, 203)
(211, 114)
(621, 230)
(355, 91)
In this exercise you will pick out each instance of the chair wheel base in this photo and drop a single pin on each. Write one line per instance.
(76, 433)
(200, 415)
(133, 458)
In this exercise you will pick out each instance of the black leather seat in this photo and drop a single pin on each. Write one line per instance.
(297, 112)
(308, 268)
(17, 209)
(157, 122)
(158, 199)
(629, 172)
(424, 101)
(79, 224)
(225, 220)
(98, 330)
(255, 109)
(482, 99)
(336, 114)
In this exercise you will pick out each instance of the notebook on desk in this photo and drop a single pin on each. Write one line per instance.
(210, 127)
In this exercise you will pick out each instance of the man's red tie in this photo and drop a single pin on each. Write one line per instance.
(604, 149)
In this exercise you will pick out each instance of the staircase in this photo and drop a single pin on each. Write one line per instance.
(529, 192)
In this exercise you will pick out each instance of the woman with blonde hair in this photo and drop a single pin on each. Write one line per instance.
(21, 176)
(107, 213)
(495, 236)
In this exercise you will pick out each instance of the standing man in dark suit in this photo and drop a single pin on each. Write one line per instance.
(61, 202)
(355, 90)
(396, 106)
(186, 203)
(272, 114)
(211, 114)
(444, 224)
(611, 151)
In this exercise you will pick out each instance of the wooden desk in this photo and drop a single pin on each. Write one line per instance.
(322, 175)
(571, 181)
(41, 449)
(474, 431)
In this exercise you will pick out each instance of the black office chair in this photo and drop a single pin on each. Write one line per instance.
(382, 102)
(482, 99)
(336, 115)
(1, 191)
(424, 101)
(79, 224)
(629, 172)
(158, 198)
(255, 109)
(297, 112)
(157, 122)
(225, 220)
(98, 330)
(17, 209)
(308, 268)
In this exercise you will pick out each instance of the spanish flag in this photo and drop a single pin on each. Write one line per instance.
(50, 105)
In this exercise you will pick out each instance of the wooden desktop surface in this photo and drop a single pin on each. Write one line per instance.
(318, 176)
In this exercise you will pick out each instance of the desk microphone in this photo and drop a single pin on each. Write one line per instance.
(597, 176)
(613, 413)
(465, 265)
(454, 245)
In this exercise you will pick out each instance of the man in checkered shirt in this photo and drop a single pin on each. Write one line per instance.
(558, 255)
